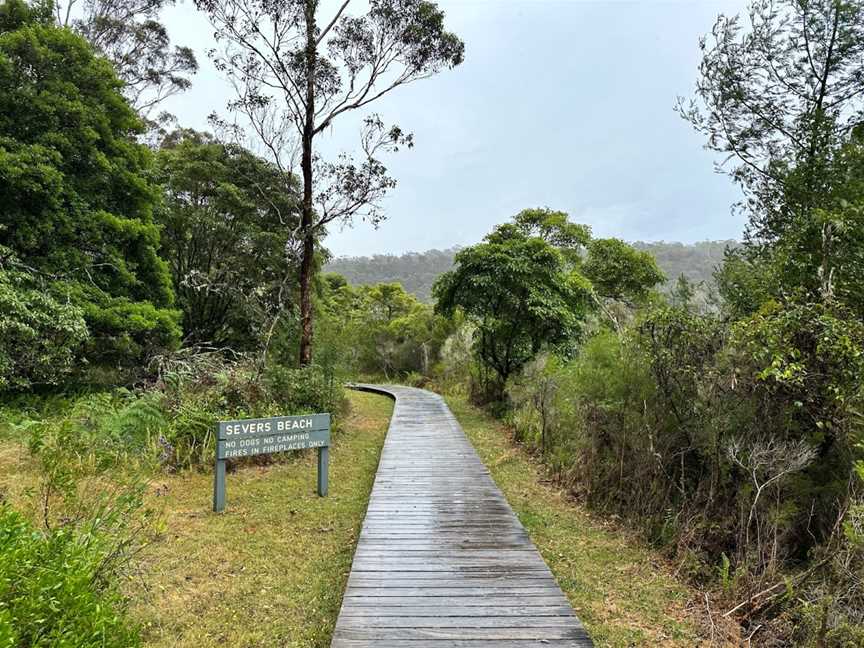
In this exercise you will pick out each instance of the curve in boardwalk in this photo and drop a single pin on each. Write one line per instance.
(442, 560)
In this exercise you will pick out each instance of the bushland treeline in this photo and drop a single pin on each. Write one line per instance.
(417, 271)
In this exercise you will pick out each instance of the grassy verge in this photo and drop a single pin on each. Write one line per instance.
(622, 591)
(271, 570)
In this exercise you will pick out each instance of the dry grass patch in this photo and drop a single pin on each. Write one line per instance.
(271, 570)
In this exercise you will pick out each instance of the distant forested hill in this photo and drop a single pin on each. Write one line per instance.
(417, 271)
(696, 261)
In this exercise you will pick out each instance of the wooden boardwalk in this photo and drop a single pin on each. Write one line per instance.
(442, 561)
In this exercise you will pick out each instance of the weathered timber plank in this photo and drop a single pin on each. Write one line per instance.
(486, 600)
(489, 622)
(385, 591)
(456, 643)
(482, 636)
(408, 580)
(437, 611)
(442, 561)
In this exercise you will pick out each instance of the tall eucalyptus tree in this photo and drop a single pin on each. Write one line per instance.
(297, 71)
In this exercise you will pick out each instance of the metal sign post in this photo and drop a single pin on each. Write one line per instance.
(251, 437)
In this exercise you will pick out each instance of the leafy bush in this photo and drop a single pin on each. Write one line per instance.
(39, 335)
(304, 390)
(193, 395)
(55, 589)
(106, 427)
(77, 201)
(171, 423)
(455, 368)
(125, 333)
(377, 330)
(60, 583)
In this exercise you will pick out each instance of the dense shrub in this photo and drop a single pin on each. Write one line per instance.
(76, 201)
(376, 330)
(39, 335)
(721, 440)
(173, 422)
(54, 588)
(60, 582)
(304, 390)
(455, 367)
(191, 406)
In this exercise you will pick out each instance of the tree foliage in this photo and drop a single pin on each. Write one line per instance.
(778, 95)
(76, 205)
(228, 221)
(379, 329)
(521, 296)
(620, 272)
(129, 34)
(40, 336)
(531, 284)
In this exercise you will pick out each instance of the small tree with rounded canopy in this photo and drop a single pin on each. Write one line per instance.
(522, 296)
(526, 288)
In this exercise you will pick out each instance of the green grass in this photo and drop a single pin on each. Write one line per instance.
(623, 592)
(271, 570)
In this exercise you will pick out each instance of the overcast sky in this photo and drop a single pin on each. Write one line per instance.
(559, 103)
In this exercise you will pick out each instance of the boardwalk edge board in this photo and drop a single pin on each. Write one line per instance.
(442, 561)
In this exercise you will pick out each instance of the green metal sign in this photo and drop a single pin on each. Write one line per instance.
(250, 437)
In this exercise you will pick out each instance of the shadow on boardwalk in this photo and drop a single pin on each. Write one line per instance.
(442, 560)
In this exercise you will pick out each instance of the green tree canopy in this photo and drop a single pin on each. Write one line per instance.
(528, 287)
(75, 201)
(521, 294)
(619, 271)
(228, 219)
(39, 335)
(555, 228)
